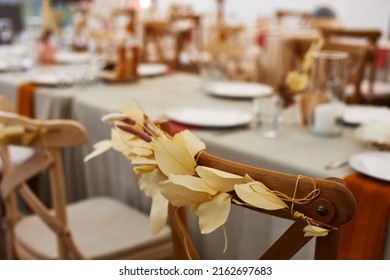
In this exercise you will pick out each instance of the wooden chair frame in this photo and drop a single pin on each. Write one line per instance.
(334, 206)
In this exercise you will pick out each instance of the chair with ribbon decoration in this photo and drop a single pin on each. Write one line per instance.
(311, 203)
(371, 91)
(94, 228)
(179, 174)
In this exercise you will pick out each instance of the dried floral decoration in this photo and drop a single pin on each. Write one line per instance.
(170, 174)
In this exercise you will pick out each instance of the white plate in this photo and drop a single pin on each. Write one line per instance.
(72, 58)
(363, 114)
(152, 69)
(209, 117)
(238, 89)
(374, 164)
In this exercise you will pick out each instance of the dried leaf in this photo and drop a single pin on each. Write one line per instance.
(311, 230)
(99, 148)
(173, 159)
(219, 180)
(214, 213)
(143, 160)
(158, 213)
(135, 112)
(191, 182)
(181, 196)
(187, 139)
(149, 182)
(258, 195)
(140, 169)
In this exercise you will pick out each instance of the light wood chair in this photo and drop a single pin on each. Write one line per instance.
(302, 17)
(335, 206)
(372, 91)
(94, 228)
(177, 33)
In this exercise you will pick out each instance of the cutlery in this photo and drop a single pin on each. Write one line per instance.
(336, 164)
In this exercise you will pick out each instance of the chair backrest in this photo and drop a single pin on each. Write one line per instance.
(181, 30)
(302, 17)
(48, 138)
(364, 37)
(358, 61)
(334, 206)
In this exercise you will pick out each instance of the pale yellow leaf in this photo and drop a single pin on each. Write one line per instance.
(158, 213)
(149, 182)
(139, 169)
(99, 148)
(187, 139)
(135, 112)
(143, 160)
(214, 213)
(181, 196)
(219, 180)
(173, 159)
(258, 195)
(119, 143)
(311, 230)
(191, 182)
(139, 151)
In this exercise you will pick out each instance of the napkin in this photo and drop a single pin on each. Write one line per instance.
(364, 237)
(177, 127)
(25, 99)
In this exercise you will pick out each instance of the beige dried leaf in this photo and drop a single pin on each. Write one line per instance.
(186, 139)
(311, 230)
(191, 182)
(140, 169)
(219, 180)
(172, 158)
(214, 213)
(158, 213)
(181, 196)
(135, 112)
(258, 195)
(99, 148)
(149, 182)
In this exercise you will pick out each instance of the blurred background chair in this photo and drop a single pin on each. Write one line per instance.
(372, 90)
(95, 228)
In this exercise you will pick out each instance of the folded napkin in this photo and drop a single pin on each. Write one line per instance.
(25, 99)
(364, 237)
(177, 127)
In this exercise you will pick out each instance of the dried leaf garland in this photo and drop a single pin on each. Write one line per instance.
(169, 174)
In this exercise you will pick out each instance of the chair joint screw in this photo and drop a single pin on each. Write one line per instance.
(322, 210)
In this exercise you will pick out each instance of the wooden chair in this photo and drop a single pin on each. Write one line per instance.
(335, 206)
(358, 59)
(94, 228)
(234, 61)
(156, 32)
(302, 17)
(371, 90)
